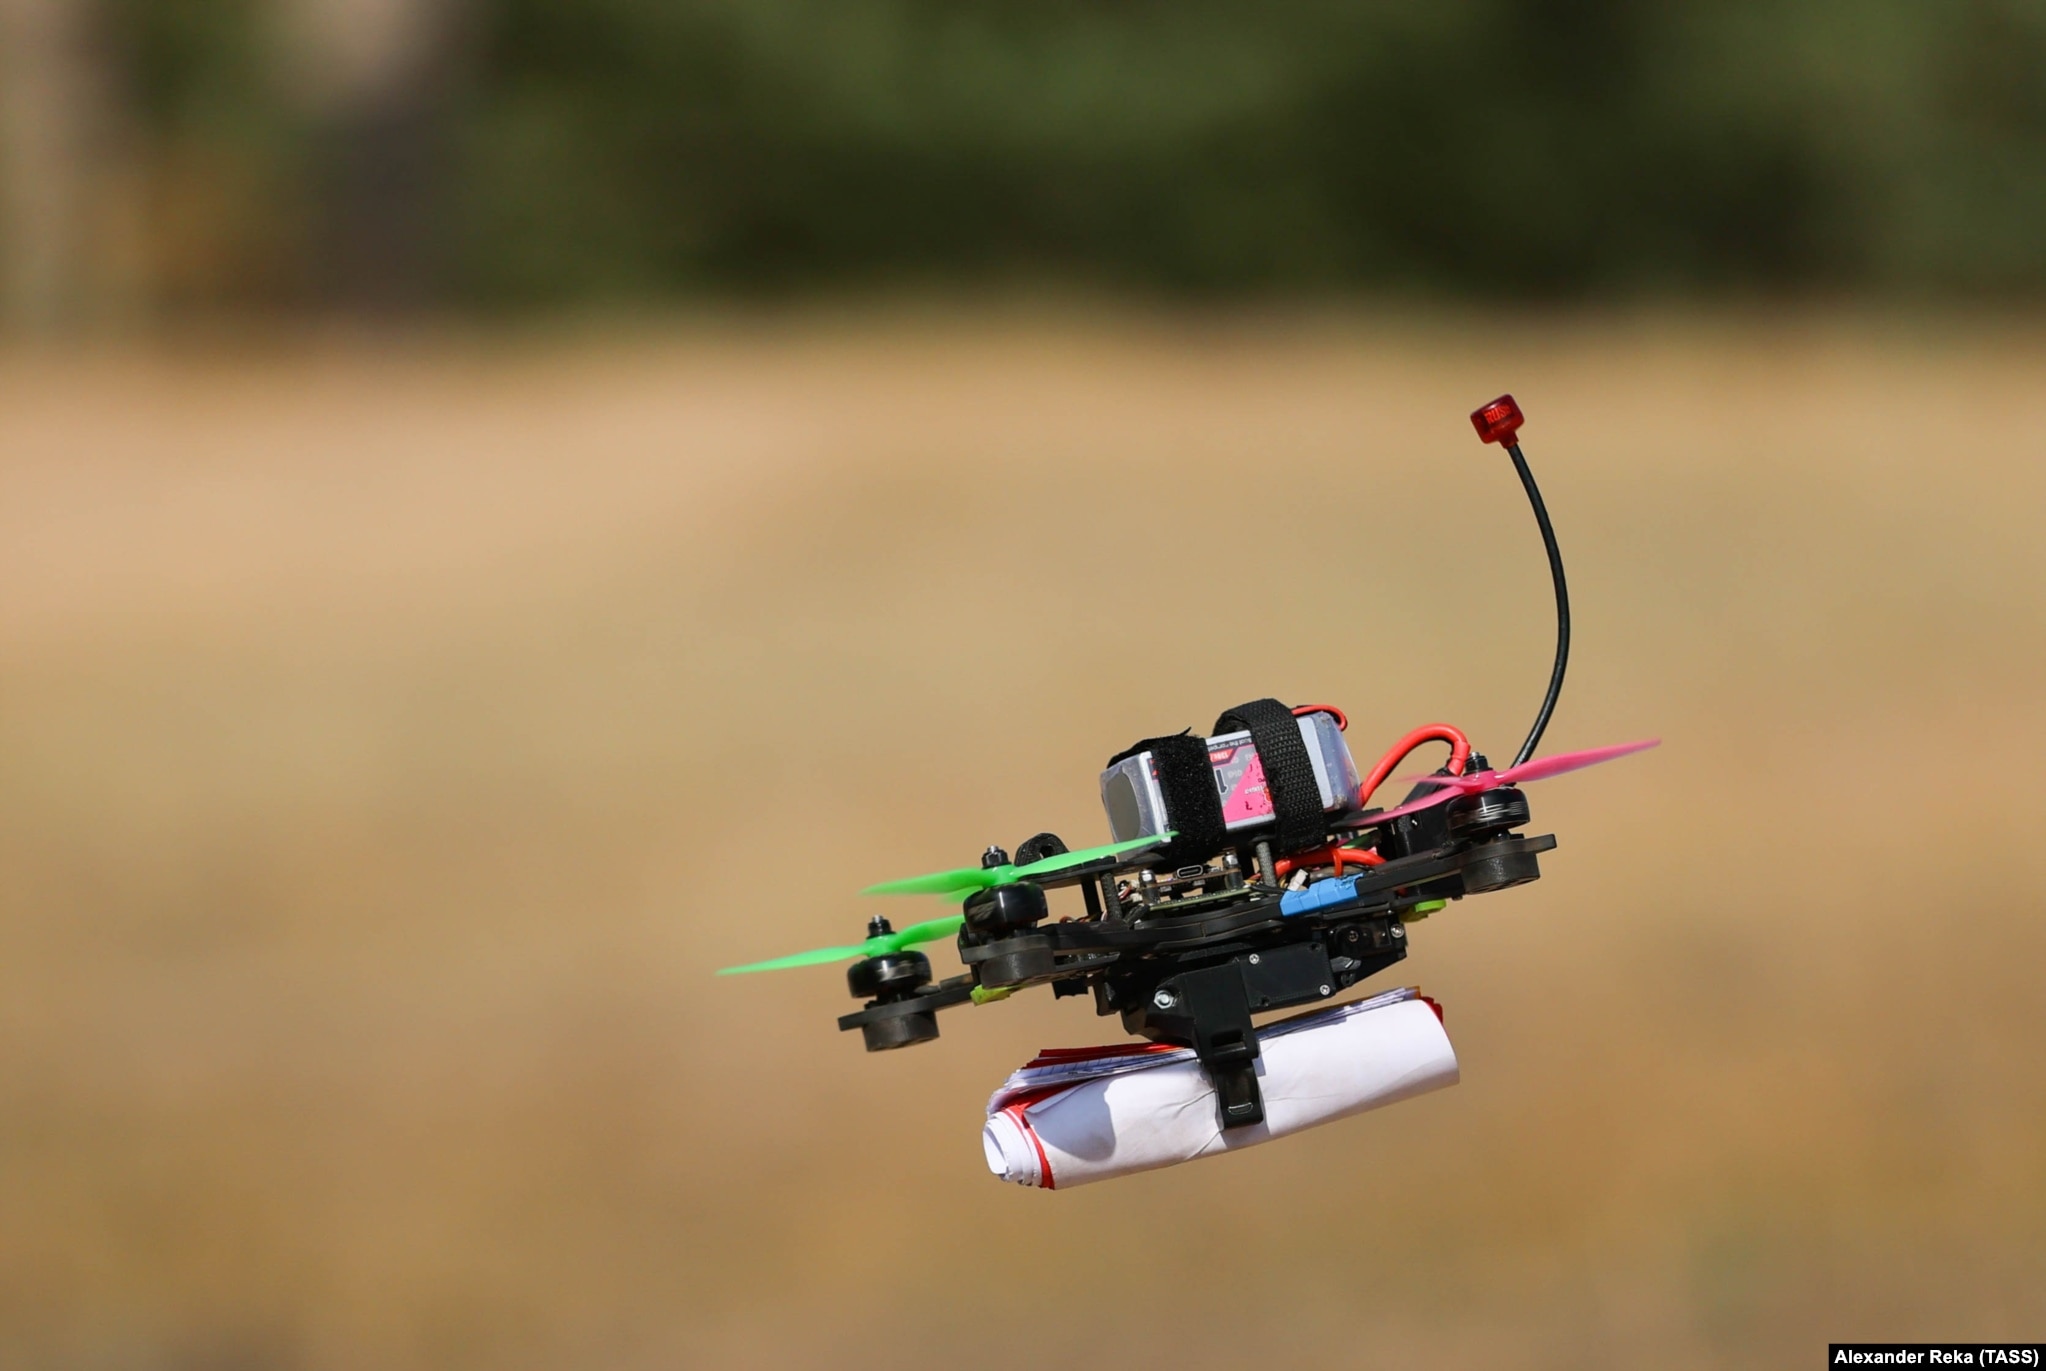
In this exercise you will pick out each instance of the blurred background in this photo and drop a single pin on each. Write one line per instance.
(507, 506)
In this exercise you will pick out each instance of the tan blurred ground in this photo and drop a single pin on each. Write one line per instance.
(393, 738)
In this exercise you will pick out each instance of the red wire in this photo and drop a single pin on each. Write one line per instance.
(1334, 854)
(1342, 719)
(1459, 753)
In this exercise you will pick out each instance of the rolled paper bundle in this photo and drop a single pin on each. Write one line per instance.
(1071, 1118)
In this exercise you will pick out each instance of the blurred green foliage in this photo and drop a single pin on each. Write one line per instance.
(1541, 148)
(223, 149)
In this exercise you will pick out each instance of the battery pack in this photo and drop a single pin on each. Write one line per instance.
(1136, 805)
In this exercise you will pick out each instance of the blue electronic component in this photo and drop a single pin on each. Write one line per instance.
(1321, 895)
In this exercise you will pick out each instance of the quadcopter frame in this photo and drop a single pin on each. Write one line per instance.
(1188, 959)
(1190, 934)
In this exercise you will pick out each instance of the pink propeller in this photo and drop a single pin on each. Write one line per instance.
(1541, 768)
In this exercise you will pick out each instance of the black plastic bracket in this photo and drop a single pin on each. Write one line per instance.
(886, 1024)
(1224, 1040)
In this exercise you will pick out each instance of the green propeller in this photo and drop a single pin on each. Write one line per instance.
(877, 946)
(970, 878)
(954, 883)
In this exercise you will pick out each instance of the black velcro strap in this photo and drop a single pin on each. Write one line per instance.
(1289, 773)
(1191, 801)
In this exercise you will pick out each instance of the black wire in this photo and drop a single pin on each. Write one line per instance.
(1541, 513)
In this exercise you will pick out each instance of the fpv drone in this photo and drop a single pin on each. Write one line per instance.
(1247, 875)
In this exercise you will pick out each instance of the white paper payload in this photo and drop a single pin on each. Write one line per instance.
(1088, 1114)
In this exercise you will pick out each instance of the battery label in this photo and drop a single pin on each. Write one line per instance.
(1240, 779)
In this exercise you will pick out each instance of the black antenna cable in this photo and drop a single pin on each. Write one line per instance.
(1499, 422)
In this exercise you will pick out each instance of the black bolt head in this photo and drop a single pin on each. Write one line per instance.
(993, 857)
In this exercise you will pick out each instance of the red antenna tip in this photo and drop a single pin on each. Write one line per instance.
(1498, 421)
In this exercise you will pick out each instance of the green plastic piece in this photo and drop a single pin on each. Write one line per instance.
(970, 878)
(1422, 910)
(954, 885)
(927, 932)
(988, 994)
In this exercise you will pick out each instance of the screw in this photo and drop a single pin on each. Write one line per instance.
(1164, 998)
(1399, 931)
(879, 927)
(1324, 990)
(1253, 959)
(992, 858)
